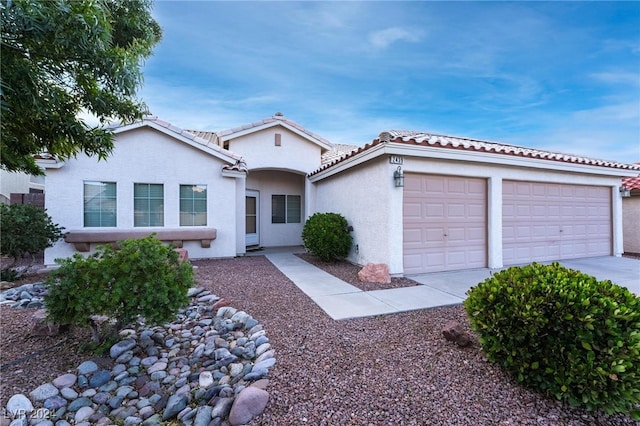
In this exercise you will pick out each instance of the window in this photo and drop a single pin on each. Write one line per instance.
(285, 209)
(294, 211)
(193, 205)
(148, 204)
(100, 206)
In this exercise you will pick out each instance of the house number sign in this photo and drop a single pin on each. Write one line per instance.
(395, 159)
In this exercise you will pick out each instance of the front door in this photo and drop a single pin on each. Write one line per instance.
(251, 219)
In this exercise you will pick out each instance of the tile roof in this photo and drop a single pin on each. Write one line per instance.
(633, 183)
(208, 136)
(202, 140)
(409, 137)
(239, 166)
(278, 117)
(337, 152)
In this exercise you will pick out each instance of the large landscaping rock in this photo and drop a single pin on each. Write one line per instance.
(375, 273)
(250, 403)
(42, 326)
(454, 332)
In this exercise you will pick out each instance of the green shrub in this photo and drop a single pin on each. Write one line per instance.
(26, 229)
(326, 236)
(563, 333)
(9, 274)
(142, 278)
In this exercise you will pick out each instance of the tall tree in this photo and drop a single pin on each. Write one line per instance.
(61, 58)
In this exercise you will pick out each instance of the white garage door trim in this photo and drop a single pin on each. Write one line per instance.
(550, 221)
(444, 223)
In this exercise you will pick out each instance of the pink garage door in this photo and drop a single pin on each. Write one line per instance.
(444, 220)
(548, 221)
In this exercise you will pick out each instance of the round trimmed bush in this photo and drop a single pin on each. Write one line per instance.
(563, 333)
(143, 278)
(26, 229)
(326, 236)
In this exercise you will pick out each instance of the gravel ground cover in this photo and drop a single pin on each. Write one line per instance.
(349, 272)
(385, 370)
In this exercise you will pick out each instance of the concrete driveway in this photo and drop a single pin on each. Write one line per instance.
(620, 270)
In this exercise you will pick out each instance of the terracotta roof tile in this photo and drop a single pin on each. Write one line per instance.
(409, 137)
(208, 136)
(337, 152)
(633, 183)
(239, 166)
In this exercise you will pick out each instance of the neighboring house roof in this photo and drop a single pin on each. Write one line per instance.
(633, 183)
(415, 138)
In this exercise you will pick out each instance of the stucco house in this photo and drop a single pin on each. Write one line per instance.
(631, 215)
(418, 202)
(18, 183)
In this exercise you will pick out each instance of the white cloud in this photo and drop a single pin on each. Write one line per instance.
(617, 77)
(384, 38)
(192, 107)
(609, 132)
(512, 72)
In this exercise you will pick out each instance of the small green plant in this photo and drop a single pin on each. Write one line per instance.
(8, 274)
(101, 348)
(26, 230)
(326, 236)
(142, 279)
(563, 333)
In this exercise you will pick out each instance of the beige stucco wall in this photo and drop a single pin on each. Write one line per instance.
(145, 156)
(269, 183)
(367, 198)
(20, 183)
(365, 195)
(259, 150)
(277, 170)
(631, 223)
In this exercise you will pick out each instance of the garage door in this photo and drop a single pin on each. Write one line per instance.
(444, 221)
(547, 221)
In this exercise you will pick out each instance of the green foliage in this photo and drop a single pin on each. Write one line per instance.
(101, 346)
(26, 229)
(66, 57)
(326, 236)
(8, 274)
(563, 333)
(143, 278)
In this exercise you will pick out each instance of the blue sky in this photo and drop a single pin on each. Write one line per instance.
(561, 76)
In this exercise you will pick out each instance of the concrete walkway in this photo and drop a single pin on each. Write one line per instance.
(341, 300)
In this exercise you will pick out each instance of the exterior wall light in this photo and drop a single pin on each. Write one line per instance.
(398, 178)
(625, 192)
